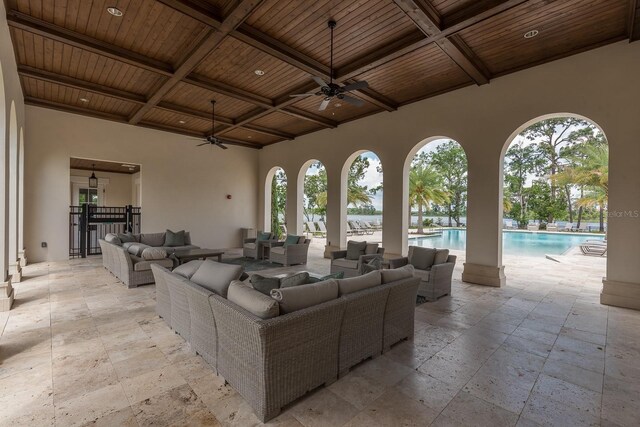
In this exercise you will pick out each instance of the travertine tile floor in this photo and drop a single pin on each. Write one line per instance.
(80, 348)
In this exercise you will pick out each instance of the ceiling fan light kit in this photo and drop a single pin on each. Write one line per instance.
(330, 91)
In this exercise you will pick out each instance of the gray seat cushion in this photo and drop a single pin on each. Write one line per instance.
(422, 274)
(250, 245)
(279, 250)
(188, 269)
(152, 239)
(170, 249)
(135, 248)
(346, 263)
(358, 283)
(397, 273)
(216, 276)
(299, 297)
(144, 265)
(253, 301)
(153, 253)
(355, 249)
(421, 258)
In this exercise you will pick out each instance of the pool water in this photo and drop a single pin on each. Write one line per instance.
(513, 242)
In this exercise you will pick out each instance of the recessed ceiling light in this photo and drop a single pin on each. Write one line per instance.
(84, 100)
(259, 72)
(114, 11)
(531, 34)
(249, 136)
(338, 105)
(181, 122)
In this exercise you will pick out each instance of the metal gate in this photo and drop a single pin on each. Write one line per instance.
(88, 223)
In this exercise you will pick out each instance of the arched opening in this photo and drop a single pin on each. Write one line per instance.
(555, 189)
(13, 187)
(276, 201)
(435, 180)
(361, 197)
(312, 197)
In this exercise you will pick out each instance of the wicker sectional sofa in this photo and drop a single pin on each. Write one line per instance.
(133, 270)
(271, 362)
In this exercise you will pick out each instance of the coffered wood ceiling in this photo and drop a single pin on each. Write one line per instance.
(160, 64)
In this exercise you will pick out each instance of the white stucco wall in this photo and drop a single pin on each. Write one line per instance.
(185, 186)
(600, 85)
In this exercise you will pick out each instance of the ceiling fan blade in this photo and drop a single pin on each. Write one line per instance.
(319, 80)
(353, 101)
(204, 143)
(301, 94)
(219, 144)
(355, 86)
(325, 104)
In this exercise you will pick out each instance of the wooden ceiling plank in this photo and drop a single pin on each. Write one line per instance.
(72, 82)
(297, 112)
(37, 102)
(204, 47)
(33, 25)
(428, 21)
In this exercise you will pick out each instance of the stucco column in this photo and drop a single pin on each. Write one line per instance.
(21, 249)
(621, 286)
(294, 204)
(483, 264)
(336, 211)
(393, 220)
(14, 266)
(6, 291)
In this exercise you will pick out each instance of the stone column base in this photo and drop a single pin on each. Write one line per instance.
(22, 258)
(330, 248)
(620, 294)
(6, 295)
(16, 272)
(484, 275)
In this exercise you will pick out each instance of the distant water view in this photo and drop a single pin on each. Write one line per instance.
(513, 242)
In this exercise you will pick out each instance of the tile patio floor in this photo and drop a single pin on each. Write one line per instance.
(80, 348)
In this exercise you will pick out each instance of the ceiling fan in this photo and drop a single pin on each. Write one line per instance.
(331, 90)
(212, 139)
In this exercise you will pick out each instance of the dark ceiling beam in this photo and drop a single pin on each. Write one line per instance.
(633, 23)
(72, 82)
(273, 47)
(305, 115)
(200, 52)
(51, 31)
(482, 10)
(230, 91)
(37, 102)
(426, 18)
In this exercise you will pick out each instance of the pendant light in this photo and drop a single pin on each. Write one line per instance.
(93, 181)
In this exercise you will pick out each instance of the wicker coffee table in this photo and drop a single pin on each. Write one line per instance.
(191, 254)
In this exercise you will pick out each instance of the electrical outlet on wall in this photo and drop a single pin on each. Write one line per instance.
(43, 244)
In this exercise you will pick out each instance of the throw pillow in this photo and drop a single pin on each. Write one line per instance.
(174, 238)
(135, 248)
(264, 284)
(188, 269)
(113, 239)
(263, 237)
(358, 283)
(397, 274)
(294, 280)
(338, 275)
(153, 253)
(216, 276)
(253, 301)
(355, 249)
(291, 239)
(301, 297)
(441, 256)
(371, 249)
(421, 258)
(127, 237)
(373, 265)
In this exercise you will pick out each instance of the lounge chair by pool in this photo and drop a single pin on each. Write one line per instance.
(552, 226)
(594, 249)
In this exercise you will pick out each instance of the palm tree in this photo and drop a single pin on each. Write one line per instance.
(425, 187)
(590, 169)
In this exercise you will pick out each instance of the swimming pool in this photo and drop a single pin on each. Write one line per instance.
(513, 242)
